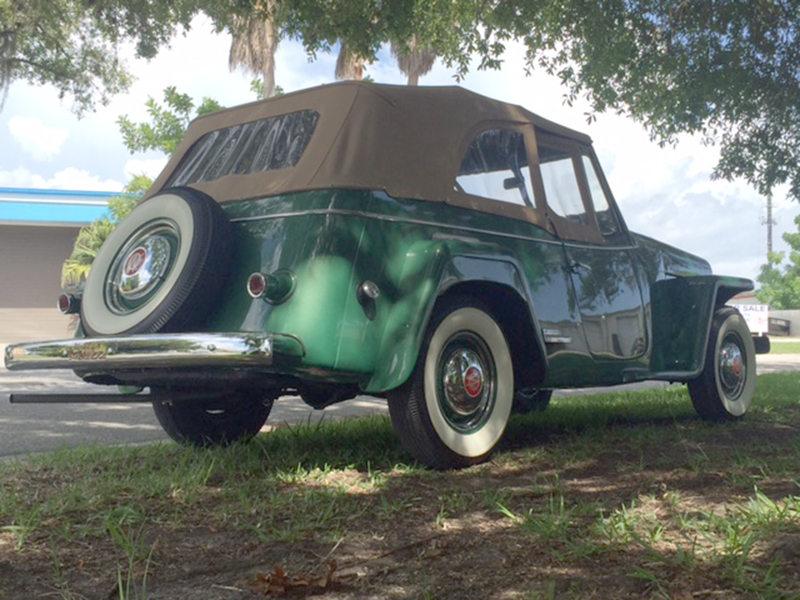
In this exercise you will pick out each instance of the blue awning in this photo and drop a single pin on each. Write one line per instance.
(23, 206)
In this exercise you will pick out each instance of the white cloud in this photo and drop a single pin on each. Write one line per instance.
(76, 179)
(140, 166)
(66, 179)
(19, 177)
(36, 138)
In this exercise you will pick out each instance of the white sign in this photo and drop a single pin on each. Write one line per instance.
(757, 317)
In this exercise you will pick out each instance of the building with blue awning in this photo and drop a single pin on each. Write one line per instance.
(37, 231)
(48, 208)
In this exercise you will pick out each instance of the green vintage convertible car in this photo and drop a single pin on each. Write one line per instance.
(459, 256)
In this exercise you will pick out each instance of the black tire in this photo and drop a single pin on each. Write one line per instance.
(725, 388)
(205, 420)
(533, 400)
(453, 410)
(161, 269)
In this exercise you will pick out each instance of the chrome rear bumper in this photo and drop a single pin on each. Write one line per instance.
(155, 351)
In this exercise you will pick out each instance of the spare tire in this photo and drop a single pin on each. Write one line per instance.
(161, 269)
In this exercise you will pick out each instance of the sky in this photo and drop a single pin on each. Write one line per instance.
(665, 193)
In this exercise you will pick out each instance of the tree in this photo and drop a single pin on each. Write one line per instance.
(167, 124)
(73, 44)
(76, 268)
(164, 132)
(349, 65)
(255, 41)
(727, 70)
(414, 59)
(780, 283)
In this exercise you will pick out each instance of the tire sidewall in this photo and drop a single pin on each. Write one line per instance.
(478, 443)
(96, 316)
(237, 416)
(734, 323)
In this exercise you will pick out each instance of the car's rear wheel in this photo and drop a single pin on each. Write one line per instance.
(532, 400)
(161, 268)
(204, 418)
(453, 410)
(725, 388)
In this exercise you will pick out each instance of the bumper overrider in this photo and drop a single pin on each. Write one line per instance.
(155, 351)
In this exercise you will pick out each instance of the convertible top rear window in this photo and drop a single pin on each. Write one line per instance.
(264, 145)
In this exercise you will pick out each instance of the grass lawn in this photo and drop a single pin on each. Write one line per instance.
(606, 496)
(780, 347)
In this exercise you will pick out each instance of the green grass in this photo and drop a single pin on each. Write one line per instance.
(780, 347)
(630, 484)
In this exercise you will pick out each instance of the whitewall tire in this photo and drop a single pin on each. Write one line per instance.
(161, 268)
(454, 409)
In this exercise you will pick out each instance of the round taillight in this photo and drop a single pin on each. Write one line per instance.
(256, 285)
(68, 304)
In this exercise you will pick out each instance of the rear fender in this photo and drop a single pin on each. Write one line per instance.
(432, 269)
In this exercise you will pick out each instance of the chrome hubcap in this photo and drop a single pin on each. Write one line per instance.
(141, 266)
(466, 382)
(732, 367)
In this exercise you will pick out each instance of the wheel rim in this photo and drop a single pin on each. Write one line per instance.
(732, 367)
(142, 265)
(467, 381)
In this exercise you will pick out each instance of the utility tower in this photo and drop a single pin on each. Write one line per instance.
(769, 222)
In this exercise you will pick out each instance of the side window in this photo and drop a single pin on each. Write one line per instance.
(496, 167)
(606, 219)
(561, 184)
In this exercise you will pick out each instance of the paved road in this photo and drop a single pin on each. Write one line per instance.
(26, 428)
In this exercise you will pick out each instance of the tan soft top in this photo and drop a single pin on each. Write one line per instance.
(408, 141)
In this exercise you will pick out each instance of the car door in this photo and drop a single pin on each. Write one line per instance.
(597, 249)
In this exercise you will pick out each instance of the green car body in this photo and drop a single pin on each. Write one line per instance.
(339, 267)
(418, 252)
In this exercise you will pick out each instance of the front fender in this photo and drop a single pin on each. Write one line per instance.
(431, 268)
(683, 308)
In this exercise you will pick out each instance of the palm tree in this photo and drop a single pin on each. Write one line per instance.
(414, 59)
(255, 41)
(349, 65)
(87, 244)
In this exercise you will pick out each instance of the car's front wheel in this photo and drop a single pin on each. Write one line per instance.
(205, 418)
(453, 410)
(726, 387)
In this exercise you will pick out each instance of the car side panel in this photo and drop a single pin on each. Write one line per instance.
(414, 251)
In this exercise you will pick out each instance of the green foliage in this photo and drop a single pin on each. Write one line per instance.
(728, 70)
(452, 29)
(73, 44)
(725, 70)
(120, 206)
(168, 122)
(55, 42)
(164, 132)
(257, 87)
(90, 238)
(76, 268)
(780, 283)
